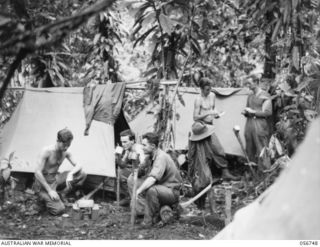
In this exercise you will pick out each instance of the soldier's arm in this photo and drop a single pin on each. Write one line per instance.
(266, 109)
(146, 184)
(76, 166)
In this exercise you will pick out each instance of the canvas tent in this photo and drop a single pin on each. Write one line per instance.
(290, 208)
(36, 121)
(42, 112)
(230, 100)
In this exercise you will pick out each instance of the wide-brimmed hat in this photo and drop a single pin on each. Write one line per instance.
(200, 131)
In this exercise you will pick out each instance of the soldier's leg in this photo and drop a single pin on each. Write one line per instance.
(157, 196)
(250, 146)
(54, 207)
(219, 154)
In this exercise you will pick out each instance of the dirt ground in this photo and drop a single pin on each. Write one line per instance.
(23, 218)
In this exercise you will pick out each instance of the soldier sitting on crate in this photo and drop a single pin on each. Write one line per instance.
(124, 161)
(50, 185)
(160, 188)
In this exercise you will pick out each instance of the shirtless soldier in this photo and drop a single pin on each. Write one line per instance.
(48, 181)
(205, 112)
(204, 104)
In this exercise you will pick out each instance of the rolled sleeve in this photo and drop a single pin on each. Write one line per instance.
(158, 169)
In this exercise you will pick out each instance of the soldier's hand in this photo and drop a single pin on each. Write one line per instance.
(212, 112)
(249, 110)
(86, 132)
(251, 163)
(138, 192)
(53, 195)
(69, 180)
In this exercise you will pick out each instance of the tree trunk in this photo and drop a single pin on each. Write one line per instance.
(270, 58)
(297, 45)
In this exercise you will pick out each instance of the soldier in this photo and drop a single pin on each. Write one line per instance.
(49, 182)
(257, 129)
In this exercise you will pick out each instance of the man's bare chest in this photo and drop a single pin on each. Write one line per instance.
(55, 159)
(206, 103)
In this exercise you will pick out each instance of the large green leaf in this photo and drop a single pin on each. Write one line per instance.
(136, 30)
(295, 57)
(195, 46)
(51, 74)
(142, 10)
(276, 30)
(11, 157)
(96, 38)
(149, 19)
(295, 3)
(151, 71)
(138, 21)
(144, 36)
(287, 11)
(4, 20)
(61, 78)
(303, 84)
(6, 173)
(115, 35)
(62, 65)
(166, 23)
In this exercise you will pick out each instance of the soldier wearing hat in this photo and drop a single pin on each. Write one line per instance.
(206, 155)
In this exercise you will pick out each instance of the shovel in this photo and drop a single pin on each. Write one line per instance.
(201, 193)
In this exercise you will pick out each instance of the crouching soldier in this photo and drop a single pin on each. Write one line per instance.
(160, 187)
(50, 185)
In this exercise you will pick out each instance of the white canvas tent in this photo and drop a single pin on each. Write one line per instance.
(230, 100)
(36, 121)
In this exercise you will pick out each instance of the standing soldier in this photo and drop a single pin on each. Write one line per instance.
(257, 129)
(206, 154)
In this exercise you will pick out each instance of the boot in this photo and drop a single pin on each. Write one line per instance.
(166, 214)
(226, 175)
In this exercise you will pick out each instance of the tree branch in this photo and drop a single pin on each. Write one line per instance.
(31, 41)
(20, 56)
(65, 24)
